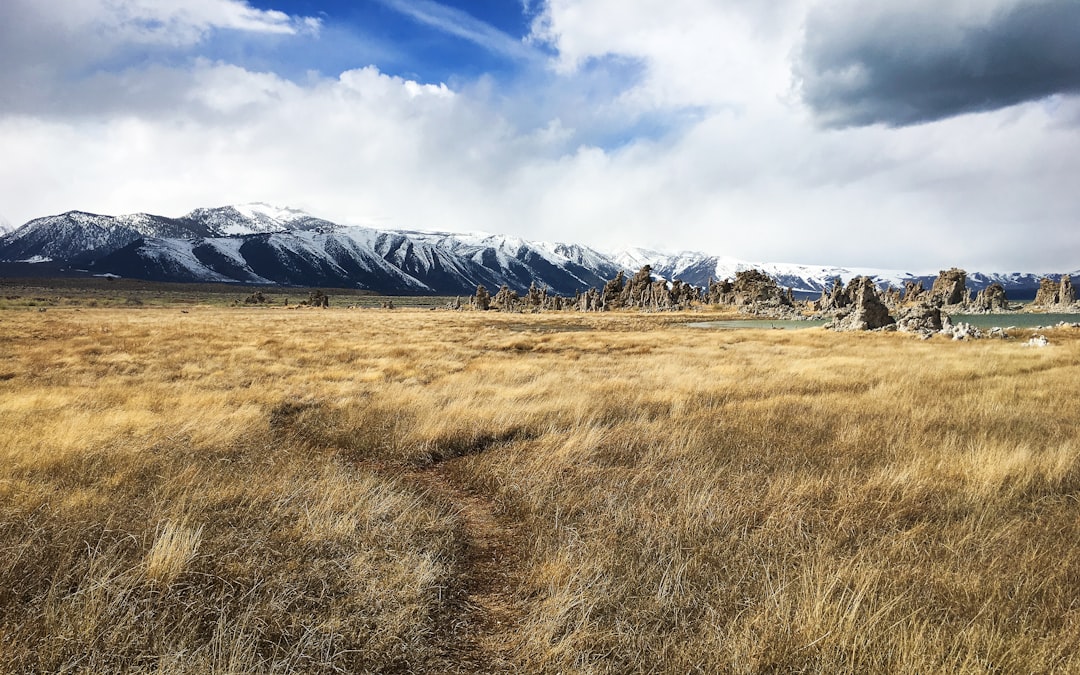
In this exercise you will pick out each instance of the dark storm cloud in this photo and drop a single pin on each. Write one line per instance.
(920, 63)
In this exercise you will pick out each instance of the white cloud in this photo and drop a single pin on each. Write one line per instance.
(52, 50)
(170, 22)
(696, 52)
(463, 25)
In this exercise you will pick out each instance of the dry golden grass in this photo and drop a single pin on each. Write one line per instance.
(241, 490)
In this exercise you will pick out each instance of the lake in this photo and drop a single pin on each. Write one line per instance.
(1018, 320)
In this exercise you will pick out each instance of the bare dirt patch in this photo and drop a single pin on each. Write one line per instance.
(484, 638)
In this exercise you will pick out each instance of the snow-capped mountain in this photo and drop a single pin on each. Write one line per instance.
(77, 236)
(257, 243)
(262, 244)
(804, 280)
(255, 218)
(359, 257)
(80, 236)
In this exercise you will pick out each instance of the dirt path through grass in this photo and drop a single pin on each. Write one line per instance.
(487, 629)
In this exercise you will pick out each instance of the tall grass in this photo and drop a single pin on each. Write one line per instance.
(235, 490)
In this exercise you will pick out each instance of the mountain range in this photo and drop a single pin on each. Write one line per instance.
(262, 244)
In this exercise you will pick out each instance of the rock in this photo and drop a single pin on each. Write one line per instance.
(613, 289)
(754, 292)
(867, 312)
(638, 291)
(893, 297)
(914, 291)
(755, 287)
(965, 331)
(1047, 295)
(506, 300)
(684, 295)
(991, 299)
(1055, 293)
(590, 301)
(536, 297)
(482, 299)
(950, 288)
(1067, 293)
(921, 318)
(1037, 341)
(646, 293)
(316, 298)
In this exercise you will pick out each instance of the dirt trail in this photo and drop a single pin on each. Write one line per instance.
(481, 636)
(488, 629)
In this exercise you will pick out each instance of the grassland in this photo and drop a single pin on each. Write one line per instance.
(220, 489)
(105, 292)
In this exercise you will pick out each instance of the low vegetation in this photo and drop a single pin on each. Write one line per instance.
(255, 489)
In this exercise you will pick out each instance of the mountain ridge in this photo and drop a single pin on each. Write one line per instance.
(263, 244)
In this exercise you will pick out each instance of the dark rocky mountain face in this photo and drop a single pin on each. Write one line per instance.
(256, 243)
(79, 236)
(259, 244)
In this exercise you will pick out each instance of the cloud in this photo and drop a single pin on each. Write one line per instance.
(463, 25)
(357, 147)
(914, 62)
(693, 52)
(50, 49)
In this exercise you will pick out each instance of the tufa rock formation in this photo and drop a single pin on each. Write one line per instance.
(754, 287)
(612, 293)
(638, 292)
(950, 288)
(833, 299)
(1067, 294)
(990, 299)
(754, 292)
(1052, 294)
(316, 298)
(867, 312)
(924, 318)
(506, 300)
(482, 299)
(591, 300)
(914, 291)
(646, 293)
(536, 298)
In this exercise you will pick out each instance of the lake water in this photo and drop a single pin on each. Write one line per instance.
(1018, 320)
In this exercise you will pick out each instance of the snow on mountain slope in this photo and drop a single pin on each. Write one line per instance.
(67, 236)
(258, 243)
(77, 235)
(255, 218)
(698, 268)
(517, 262)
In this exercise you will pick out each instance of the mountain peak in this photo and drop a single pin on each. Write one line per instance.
(254, 218)
(282, 214)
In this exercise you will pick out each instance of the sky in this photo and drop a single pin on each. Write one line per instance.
(903, 134)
